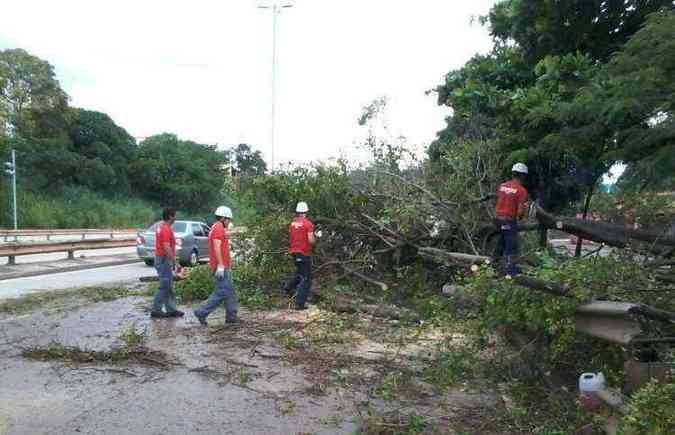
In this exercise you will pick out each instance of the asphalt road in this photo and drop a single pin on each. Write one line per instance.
(85, 278)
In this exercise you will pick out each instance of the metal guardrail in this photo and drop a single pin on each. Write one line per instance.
(48, 233)
(13, 250)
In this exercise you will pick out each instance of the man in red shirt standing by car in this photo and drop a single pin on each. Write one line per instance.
(511, 206)
(302, 238)
(219, 261)
(165, 262)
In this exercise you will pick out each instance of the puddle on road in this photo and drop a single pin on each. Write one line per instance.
(279, 371)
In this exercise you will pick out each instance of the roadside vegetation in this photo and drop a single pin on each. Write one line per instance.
(55, 300)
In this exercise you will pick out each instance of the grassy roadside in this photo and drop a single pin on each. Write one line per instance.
(50, 299)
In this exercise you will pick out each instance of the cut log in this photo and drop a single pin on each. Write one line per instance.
(618, 236)
(553, 288)
(343, 305)
(452, 257)
(381, 285)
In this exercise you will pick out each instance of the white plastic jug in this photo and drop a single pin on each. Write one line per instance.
(591, 382)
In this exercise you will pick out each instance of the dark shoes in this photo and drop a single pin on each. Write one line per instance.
(234, 320)
(299, 308)
(163, 315)
(202, 319)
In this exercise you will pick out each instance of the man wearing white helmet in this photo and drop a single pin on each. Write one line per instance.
(511, 206)
(301, 232)
(219, 261)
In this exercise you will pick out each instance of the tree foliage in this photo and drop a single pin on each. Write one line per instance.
(177, 172)
(537, 94)
(28, 91)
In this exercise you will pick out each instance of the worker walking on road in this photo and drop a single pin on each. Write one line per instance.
(165, 263)
(511, 207)
(302, 238)
(219, 261)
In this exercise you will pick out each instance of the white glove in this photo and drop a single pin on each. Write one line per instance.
(318, 234)
(220, 272)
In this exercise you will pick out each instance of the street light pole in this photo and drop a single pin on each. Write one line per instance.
(276, 10)
(10, 169)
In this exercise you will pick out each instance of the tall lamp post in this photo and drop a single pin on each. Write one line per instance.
(276, 9)
(10, 169)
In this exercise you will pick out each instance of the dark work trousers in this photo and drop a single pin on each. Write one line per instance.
(508, 243)
(301, 279)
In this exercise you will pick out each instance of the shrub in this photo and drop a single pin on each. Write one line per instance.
(197, 286)
(651, 410)
(200, 283)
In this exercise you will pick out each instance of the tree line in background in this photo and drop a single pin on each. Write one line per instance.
(61, 147)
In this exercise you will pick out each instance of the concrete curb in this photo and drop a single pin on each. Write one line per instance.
(17, 275)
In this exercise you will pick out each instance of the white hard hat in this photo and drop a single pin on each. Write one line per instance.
(519, 167)
(302, 207)
(224, 211)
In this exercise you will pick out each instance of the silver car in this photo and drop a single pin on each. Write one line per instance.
(192, 243)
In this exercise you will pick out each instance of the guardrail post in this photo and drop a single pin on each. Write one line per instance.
(11, 260)
(83, 236)
(71, 255)
(48, 237)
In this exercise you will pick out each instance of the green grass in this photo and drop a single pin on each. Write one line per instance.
(77, 208)
(44, 300)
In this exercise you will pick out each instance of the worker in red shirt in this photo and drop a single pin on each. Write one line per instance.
(165, 263)
(511, 207)
(219, 261)
(302, 238)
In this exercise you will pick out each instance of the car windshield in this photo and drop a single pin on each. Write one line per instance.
(178, 227)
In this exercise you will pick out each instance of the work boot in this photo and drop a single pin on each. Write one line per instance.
(159, 314)
(202, 319)
(233, 320)
(177, 313)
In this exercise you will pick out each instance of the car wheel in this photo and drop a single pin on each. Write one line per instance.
(149, 262)
(194, 258)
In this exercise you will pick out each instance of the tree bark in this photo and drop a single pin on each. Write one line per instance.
(613, 235)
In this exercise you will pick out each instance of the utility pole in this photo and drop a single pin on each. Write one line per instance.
(276, 10)
(10, 169)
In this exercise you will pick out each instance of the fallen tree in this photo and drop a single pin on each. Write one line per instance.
(654, 242)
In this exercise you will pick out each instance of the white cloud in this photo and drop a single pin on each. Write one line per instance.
(201, 69)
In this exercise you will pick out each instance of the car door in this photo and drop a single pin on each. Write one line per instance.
(201, 240)
(206, 230)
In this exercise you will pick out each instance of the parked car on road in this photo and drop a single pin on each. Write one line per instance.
(192, 242)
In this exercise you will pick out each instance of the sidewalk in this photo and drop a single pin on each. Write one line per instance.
(50, 266)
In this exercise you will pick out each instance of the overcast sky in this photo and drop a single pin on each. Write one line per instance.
(202, 69)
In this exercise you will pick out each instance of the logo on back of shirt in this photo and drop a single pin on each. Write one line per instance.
(297, 225)
(508, 190)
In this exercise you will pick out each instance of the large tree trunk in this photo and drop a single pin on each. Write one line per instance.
(613, 235)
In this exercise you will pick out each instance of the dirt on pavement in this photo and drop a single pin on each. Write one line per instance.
(76, 365)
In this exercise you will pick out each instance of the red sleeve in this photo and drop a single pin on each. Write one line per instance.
(218, 232)
(522, 196)
(310, 226)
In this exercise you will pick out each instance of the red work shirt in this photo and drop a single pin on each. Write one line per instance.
(164, 234)
(218, 232)
(299, 231)
(510, 196)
